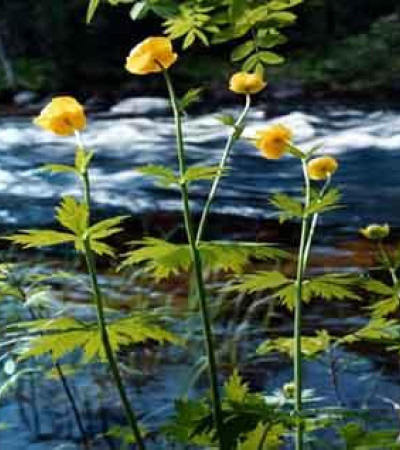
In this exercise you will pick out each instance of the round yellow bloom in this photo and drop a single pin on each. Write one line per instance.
(151, 56)
(246, 83)
(62, 116)
(273, 141)
(375, 231)
(322, 168)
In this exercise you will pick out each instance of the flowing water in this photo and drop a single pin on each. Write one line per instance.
(366, 141)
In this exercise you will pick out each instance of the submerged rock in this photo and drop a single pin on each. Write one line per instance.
(24, 98)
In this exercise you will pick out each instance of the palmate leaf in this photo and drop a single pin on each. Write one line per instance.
(162, 175)
(192, 96)
(197, 173)
(73, 215)
(385, 307)
(59, 337)
(327, 202)
(235, 390)
(333, 287)
(164, 259)
(311, 345)
(40, 238)
(260, 281)
(379, 329)
(289, 207)
(263, 437)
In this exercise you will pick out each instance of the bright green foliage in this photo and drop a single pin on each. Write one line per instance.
(192, 96)
(164, 259)
(311, 345)
(289, 207)
(61, 336)
(73, 216)
(82, 162)
(379, 329)
(327, 202)
(234, 389)
(257, 22)
(389, 305)
(329, 287)
(125, 435)
(356, 437)
(263, 437)
(243, 412)
(163, 176)
(259, 281)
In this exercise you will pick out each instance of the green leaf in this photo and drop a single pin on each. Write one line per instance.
(311, 345)
(40, 238)
(377, 287)
(260, 281)
(227, 119)
(379, 329)
(234, 388)
(106, 228)
(164, 259)
(139, 10)
(385, 307)
(61, 336)
(73, 215)
(191, 96)
(242, 51)
(327, 202)
(281, 19)
(93, 5)
(333, 287)
(164, 176)
(289, 207)
(270, 58)
(263, 437)
(59, 168)
(198, 173)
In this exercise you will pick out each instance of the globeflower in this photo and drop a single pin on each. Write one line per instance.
(63, 116)
(153, 55)
(246, 83)
(322, 168)
(274, 141)
(375, 231)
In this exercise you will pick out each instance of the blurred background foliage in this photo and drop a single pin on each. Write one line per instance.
(45, 45)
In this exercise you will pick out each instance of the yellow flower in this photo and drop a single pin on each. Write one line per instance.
(273, 141)
(322, 168)
(151, 56)
(62, 116)
(246, 83)
(375, 231)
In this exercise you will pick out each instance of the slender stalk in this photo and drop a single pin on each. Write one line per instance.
(68, 392)
(298, 313)
(388, 263)
(197, 264)
(233, 137)
(97, 295)
(314, 222)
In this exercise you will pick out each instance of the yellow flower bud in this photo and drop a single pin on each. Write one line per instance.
(289, 390)
(246, 83)
(151, 56)
(322, 168)
(375, 231)
(62, 116)
(273, 141)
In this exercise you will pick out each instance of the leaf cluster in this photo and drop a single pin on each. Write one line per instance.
(163, 259)
(74, 218)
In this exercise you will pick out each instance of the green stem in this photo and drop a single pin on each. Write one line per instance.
(197, 265)
(233, 138)
(67, 389)
(109, 353)
(298, 313)
(313, 226)
(388, 263)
